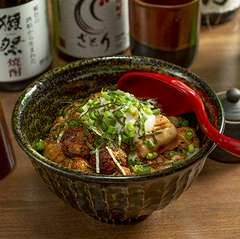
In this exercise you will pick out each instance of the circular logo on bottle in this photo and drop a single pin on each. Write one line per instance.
(218, 2)
(91, 16)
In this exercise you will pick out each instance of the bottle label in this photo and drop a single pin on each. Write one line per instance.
(24, 41)
(219, 6)
(89, 28)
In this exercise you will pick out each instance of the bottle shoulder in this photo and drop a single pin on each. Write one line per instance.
(12, 3)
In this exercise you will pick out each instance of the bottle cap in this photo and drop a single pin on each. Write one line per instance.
(231, 104)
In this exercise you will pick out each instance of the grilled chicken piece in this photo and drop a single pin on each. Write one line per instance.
(74, 144)
(165, 133)
(79, 164)
(106, 162)
(54, 151)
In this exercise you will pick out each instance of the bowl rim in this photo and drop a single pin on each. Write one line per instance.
(35, 156)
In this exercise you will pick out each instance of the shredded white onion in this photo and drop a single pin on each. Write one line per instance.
(115, 160)
(97, 161)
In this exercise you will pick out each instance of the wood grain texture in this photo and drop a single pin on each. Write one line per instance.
(209, 209)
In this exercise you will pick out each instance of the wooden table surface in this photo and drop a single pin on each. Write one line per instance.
(209, 209)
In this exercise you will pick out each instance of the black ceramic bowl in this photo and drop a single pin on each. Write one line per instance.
(123, 199)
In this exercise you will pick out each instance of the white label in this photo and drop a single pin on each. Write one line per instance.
(24, 41)
(89, 28)
(219, 6)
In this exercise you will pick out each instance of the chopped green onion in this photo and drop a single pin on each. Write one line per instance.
(147, 110)
(189, 134)
(156, 112)
(191, 148)
(132, 110)
(130, 126)
(133, 159)
(118, 114)
(107, 114)
(109, 119)
(152, 155)
(39, 145)
(141, 169)
(132, 133)
(111, 129)
(184, 123)
(149, 143)
(93, 115)
(172, 154)
(125, 138)
(90, 101)
(131, 130)
(81, 110)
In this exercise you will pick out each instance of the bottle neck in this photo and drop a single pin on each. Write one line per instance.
(12, 3)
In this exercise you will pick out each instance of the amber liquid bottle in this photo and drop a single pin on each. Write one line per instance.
(216, 12)
(165, 29)
(25, 49)
(90, 28)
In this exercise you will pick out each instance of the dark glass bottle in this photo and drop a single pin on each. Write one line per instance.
(90, 28)
(25, 50)
(218, 11)
(7, 158)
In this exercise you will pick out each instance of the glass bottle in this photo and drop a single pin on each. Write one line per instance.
(218, 11)
(90, 28)
(7, 157)
(25, 49)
